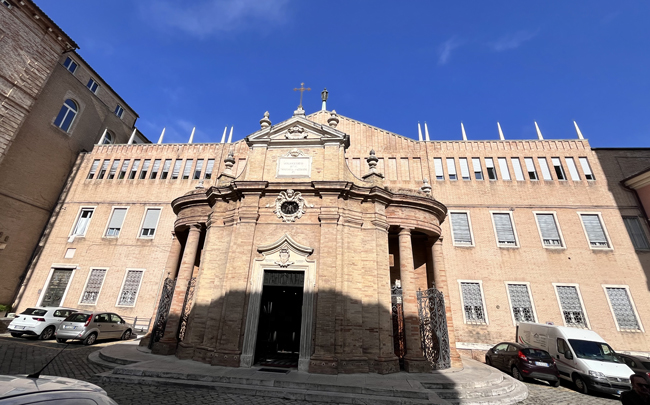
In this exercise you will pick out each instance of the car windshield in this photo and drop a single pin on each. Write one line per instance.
(586, 349)
(34, 311)
(536, 353)
(77, 318)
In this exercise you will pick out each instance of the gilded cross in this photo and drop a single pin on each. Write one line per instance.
(302, 88)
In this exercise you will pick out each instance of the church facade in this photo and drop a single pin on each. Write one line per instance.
(285, 246)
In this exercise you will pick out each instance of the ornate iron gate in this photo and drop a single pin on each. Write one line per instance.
(399, 339)
(187, 308)
(165, 303)
(433, 328)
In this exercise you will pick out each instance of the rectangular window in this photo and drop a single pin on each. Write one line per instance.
(115, 224)
(571, 306)
(635, 230)
(437, 164)
(119, 111)
(187, 169)
(130, 288)
(198, 169)
(464, 168)
(81, 226)
(543, 165)
(519, 174)
(134, 169)
(451, 169)
(125, 166)
(624, 314)
(102, 171)
(114, 166)
(478, 171)
(92, 86)
(150, 222)
(573, 170)
(70, 64)
(154, 169)
(93, 169)
(177, 168)
(548, 229)
(559, 170)
(165, 169)
(93, 286)
(473, 303)
(530, 168)
(522, 307)
(145, 168)
(5, 3)
(489, 167)
(594, 230)
(503, 166)
(208, 169)
(504, 230)
(460, 229)
(586, 169)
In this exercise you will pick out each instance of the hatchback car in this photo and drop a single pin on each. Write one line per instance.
(88, 327)
(51, 390)
(638, 364)
(523, 362)
(40, 321)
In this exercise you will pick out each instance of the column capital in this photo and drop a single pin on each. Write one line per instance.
(405, 230)
(195, 227)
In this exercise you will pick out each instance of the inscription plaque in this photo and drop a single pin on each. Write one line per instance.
(294, 166)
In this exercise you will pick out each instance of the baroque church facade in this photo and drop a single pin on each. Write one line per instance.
(288, 243)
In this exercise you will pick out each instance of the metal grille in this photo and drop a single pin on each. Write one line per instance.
(622, 308)
(522, 308)
(399, 338)
(434, 334)
(56, 289)
(571, 306)
(163, 311)
(473, 303)
(131, 287)
(93, 286)
(187, 308)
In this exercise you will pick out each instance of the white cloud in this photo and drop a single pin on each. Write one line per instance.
(444, 51)
(208, 17)
(512, 41)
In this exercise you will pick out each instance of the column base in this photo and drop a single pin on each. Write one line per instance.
(386, 365)
(203, 354)
(353, 365)
(184, 351)
(164, 348)
(226, 358)
(323, 365)
(456, 360)
(417, 365)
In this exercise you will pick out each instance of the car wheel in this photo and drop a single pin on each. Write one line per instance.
(61, 340)
(90, 339)
(581, 385)
(126, 335)
(47, 333)
(516, 374)
(555, 383)
(16, 334)
(488, 361)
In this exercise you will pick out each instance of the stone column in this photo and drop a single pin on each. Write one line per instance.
(168, 343)
(414, 360)
(440, 281)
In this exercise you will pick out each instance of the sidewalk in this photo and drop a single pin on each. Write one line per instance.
(475, 383)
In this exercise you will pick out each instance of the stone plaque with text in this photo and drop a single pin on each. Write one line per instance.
(289, 166)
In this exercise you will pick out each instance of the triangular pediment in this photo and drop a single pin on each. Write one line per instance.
(297, 131)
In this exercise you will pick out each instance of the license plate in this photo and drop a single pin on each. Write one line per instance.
(20, 327)
(539, 363)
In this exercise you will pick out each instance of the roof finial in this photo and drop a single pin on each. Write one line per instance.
(419, 132)
(503, 138)
(229, 162)
(323, 96)
(426, 187)
(539, 133)
(132, 138)
(578, 131)
(462, 128)
(223, 137)
(230, 136)
(162, 135)
(192, 135)
(333, 120)
(426, 132)
(101, 140)
(302, 88)
(265, 122)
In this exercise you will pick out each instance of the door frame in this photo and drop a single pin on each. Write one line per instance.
(72, 268)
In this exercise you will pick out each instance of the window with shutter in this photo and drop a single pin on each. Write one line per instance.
(177, 168)
(208, 169)
(114, 166)
(622, 308)
(81, 226)
(154, 169)
(464, 168)
(489, 167)
(473, 303)
(437, 164)
(460, 229)
(115, 224)
(165, 169)
(478, 171)
(559, 170)
(503, 166)
(130, 288)
(93, 169)
(150, 222)
(516, 165)
(530, 168)
(125, 165)
(543, 165)
(549, 230)
(586, 169)
(198, 169)
(504, 229)
(594, 230)
(522, 307)
(451, 169)
(134, 169)
(187, 169)
(145, 168)
(102, 171)
(571, 306)
(635, 230)
(93, 286)
(573, 170)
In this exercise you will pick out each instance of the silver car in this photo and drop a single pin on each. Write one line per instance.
(23, 390)
(88, 327)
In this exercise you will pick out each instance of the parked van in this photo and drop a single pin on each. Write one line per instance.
(581, 355)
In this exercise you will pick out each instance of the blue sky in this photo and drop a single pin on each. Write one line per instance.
(217, 63)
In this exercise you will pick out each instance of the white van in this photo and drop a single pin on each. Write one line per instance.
(581, 356)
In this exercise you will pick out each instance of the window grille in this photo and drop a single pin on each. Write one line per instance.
(197, 169)
(594, 229)
(505, 231)
(125, 166)
(635, 230)
(437, 164)
(208, 169)
(571, 306)
(586, 169)
(70, 65)
(473, 303)
(451, 169)
(460, 226)
(543, 164)
(103, 170)
(115, 224)
(114, 166)
(522, 308)
(548, 229)
(150, 222)
(187, 169)
(489, 167)
(154, 169)
(530, 168)
(145, 168)
(464, 168)
(66, 115)
(622, 308)
(93, 169)
(82, 222)
(130, 288)
(503, 166)
(573, 170)
(94, 285)
(165, 170)
(134, 169)
(559, 170)
(519, 174)
(177, 168)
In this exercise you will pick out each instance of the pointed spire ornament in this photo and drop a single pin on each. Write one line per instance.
(462, 128)
(101, 140)
(132, 138)
(419, 132)
(426, 132)
(373, 175)
(192, 135)
(230, 136)
(503, 138)
(539, 133)
(223, 137)
(162, 134)
(578, 131)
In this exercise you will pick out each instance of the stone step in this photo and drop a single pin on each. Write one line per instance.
(493, 378)
(95, 357)
(495, 390)
(517, 393)
(114, 360)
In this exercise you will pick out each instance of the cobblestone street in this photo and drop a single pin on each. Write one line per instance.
(23, 356)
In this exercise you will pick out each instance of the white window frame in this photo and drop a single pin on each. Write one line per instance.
(514, 229)
(557, 225)
(582, 303)
(90, 270)
(503, 177)
(74, 224)
(94, 82)
(462, 301)
(602, 223)
(469, 222)
(53, 267)
(137, 295)
(530, 297)
(451, 166)
(144, 215)
(436, 167)
(71, 61)
(464, 169)
(109, 221)
(611, 309)
(119, 111)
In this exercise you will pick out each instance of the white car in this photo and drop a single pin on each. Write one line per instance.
(51, 390)
(39, 321)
